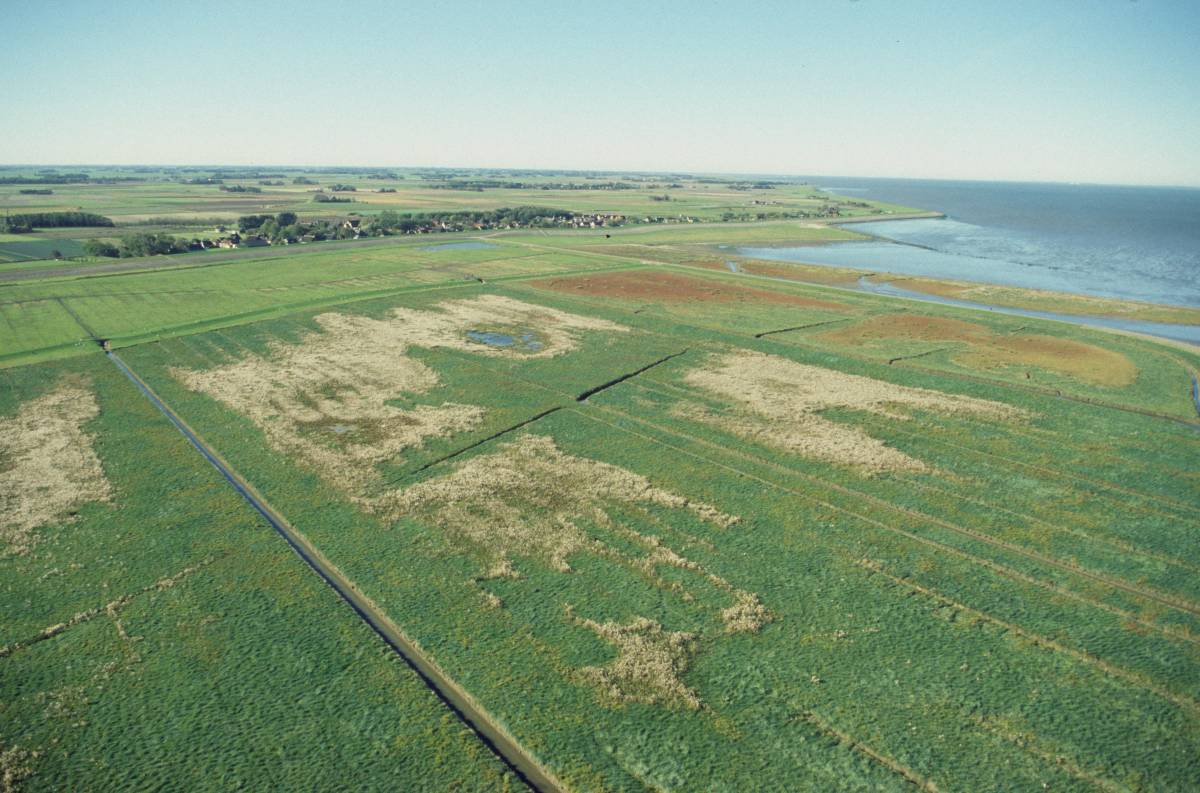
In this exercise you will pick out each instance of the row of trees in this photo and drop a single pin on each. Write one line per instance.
(284, 226)
(46, 178)
(498, 184)
(389, 221)
(136, 245)
(69, 178)
(17, 224)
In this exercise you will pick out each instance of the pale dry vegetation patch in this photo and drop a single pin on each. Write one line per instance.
(48, 468)
(746, 615)
(778, 402)
(649, 664)
(15, 767)
(325, 399)
(527, 498)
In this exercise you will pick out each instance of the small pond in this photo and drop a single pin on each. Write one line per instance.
(525, 341)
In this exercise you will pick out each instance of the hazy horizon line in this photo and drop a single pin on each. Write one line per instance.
(669, 172)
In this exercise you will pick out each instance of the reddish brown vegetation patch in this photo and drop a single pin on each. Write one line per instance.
(1082, 361)
(908, 326)
(675, 288)
(988, 349)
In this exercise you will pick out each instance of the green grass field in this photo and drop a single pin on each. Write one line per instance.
(670, 526)
(34, 250)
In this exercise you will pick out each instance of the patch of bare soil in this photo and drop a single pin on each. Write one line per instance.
(906, 326)
(669, 287)
(325, 399)
(48, 468)
(778, 402)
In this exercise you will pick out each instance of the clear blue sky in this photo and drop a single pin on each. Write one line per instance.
(1055, 91)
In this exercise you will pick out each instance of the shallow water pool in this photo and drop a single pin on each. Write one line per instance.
(525, 341)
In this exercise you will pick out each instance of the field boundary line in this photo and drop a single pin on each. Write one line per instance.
(1113, 542)
(852, 743)
(803, 327)
(1036, 639)
(108, 608)
(989, 564)
(457, 699)
(1028, 743)
(891, 361)
(474, 445)
(78, 319)
(583, 396)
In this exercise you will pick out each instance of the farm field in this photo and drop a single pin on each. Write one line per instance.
(665, 523)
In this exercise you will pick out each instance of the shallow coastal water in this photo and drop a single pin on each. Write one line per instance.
(1133, 243)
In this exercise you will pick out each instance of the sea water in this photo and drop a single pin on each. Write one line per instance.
(1134, 243)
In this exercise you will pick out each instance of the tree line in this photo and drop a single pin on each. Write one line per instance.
(136, 245)
(68, 178)
(17, 224)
